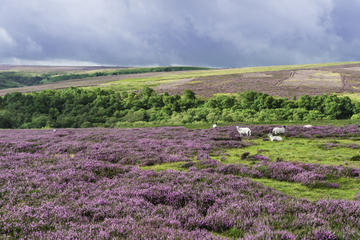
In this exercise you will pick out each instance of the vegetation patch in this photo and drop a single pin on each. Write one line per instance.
(355, 158)
(299, 150)
(348, 188)
(314, 78)
(74, 107)
(92, 189)
(9, 79)
(177, 166)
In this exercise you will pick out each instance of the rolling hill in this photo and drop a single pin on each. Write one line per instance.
(284, 81)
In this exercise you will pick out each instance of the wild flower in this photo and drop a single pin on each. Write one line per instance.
(85, 184)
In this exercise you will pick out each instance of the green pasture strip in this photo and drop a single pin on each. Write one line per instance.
(100, 73)
(142, 124)
(348, 188)
(355, 97)
(165, 166)
(298, 150)
(28, 78)
(136, 83)
(204, 125)
(337, 122)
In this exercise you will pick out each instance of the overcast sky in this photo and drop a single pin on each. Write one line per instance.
(217, 33)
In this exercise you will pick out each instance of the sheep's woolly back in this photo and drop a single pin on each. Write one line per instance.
(245, 131)
(278, 130)
(275, 138)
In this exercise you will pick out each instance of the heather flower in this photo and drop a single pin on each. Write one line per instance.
(357, 197)
(85, 184)
(259, 157)
(325, 235)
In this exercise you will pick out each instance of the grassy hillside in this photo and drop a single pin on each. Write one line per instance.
(11, 79)
(283, 81)
(136, 83)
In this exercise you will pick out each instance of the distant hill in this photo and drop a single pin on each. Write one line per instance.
(23, 76)
(284, 81)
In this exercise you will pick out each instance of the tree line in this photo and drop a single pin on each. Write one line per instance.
(77, 107)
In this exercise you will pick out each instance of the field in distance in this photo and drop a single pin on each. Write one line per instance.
(284, 81)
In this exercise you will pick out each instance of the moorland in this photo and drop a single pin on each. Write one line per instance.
(134, 155)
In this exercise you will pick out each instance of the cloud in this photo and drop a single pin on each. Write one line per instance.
(49, 62)
(5, 38)
(222, 33)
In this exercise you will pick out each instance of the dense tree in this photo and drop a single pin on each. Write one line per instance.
(75, 107)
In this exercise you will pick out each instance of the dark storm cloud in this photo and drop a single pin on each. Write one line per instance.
(224, 33)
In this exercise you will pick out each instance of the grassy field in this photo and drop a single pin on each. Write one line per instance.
(324, 151)
(268, 79)
(137, 83)
(202, 125)
(347, 189)
(328, 151)
(13, 77)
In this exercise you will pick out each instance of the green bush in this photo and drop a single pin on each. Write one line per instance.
(135, 116)
(355, 158)
(76, 107)
(355, 116)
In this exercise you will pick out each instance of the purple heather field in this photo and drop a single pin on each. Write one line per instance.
(87, 184)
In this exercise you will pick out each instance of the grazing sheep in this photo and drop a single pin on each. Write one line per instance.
(274, 138)
(279, 130)
(54, 130)
(214, 125)
(308, 126)
(243, 131)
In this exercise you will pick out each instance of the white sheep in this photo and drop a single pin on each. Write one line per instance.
(274, 138)
(54, 130)
(214, 125)
(279, 130)
(308, 126)
(243, 131)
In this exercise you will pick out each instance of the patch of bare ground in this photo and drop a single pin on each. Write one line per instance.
(314, 78)
(85, 82)
(327, 80)
(172, 85)
(235, 83)
(4, 67)
(353, 68)
(351, 78)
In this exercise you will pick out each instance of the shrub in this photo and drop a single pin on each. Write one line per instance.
(355, 158)
(355, 116)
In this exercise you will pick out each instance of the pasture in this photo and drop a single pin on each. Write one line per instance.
(282, 81)
(179, 183)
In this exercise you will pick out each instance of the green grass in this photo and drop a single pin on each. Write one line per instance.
(21, 78)
(298, 150)
(355, 97)
(348, 188)
(165, 166)
(295, 149)
(204, 125)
